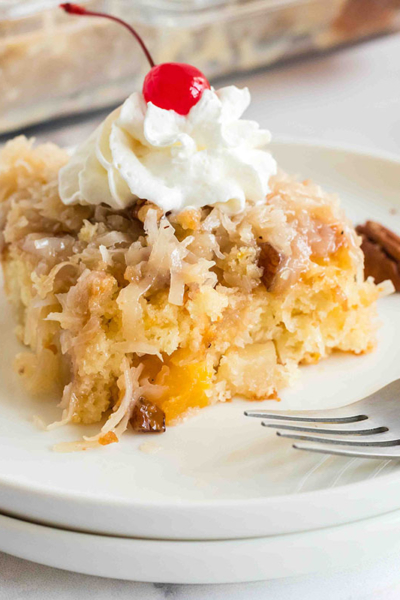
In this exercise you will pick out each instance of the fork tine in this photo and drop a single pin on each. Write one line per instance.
(335, 431)
(309, 419)
(364, 452)
(341, 441)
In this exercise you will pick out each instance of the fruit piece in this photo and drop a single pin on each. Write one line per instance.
(186, 387)
(147, 417)
(172, 86)
(108, 438)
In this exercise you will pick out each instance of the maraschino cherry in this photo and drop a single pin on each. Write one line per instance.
(172, 86)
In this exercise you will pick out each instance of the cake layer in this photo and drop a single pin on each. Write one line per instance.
(185, 309)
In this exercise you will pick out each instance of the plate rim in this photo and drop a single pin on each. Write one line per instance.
(316, 142)
(203, 562)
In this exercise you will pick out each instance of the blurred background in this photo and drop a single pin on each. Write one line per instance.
(55, 65)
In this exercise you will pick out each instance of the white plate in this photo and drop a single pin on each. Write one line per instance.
(220, 561)
(220, 475)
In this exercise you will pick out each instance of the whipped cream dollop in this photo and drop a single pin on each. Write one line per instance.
(209, 157)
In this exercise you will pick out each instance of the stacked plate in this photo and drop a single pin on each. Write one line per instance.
(218, 499)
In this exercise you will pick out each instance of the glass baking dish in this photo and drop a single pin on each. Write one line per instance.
(53, 64)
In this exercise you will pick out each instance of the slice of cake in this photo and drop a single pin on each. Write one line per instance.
(168, 264)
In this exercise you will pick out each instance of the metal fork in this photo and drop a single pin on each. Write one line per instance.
(369, 428)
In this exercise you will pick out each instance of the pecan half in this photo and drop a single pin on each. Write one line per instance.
(381, 249)
(269, 260)
(147, 417)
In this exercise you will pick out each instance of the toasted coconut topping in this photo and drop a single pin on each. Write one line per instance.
(112, 301)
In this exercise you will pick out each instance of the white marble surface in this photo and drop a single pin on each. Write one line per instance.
(351, 97)
(22, 580)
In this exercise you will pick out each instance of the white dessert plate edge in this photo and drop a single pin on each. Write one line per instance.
(203, 562)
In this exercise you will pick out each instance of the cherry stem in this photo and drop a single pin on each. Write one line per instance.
(75, 9)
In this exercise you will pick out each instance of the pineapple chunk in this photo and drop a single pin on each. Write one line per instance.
(186, 388)
(250, 370)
